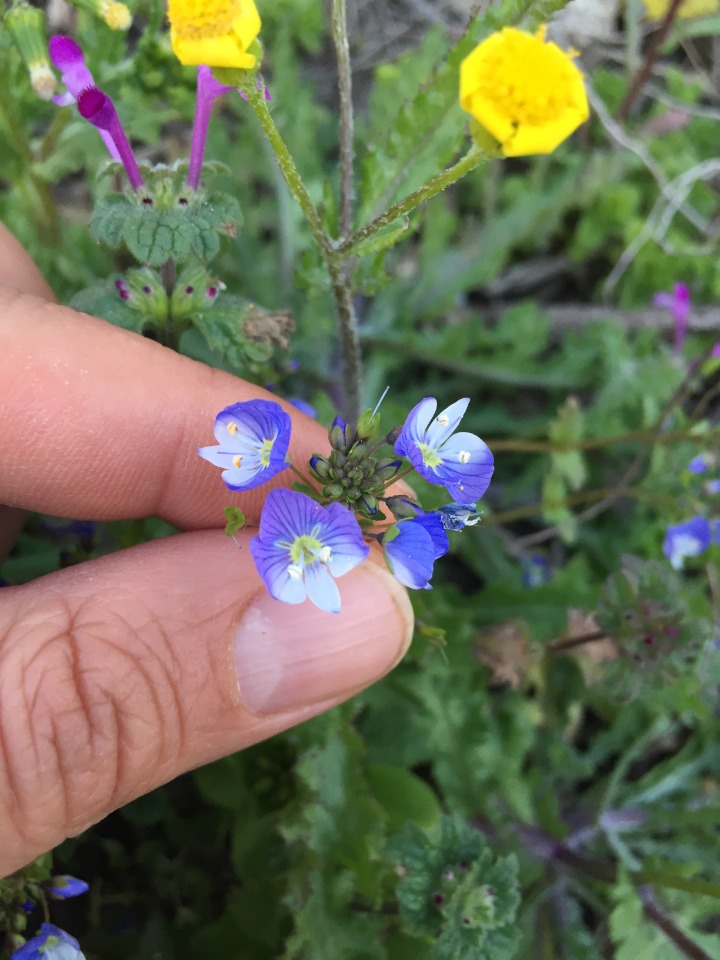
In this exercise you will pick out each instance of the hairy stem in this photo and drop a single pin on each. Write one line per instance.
(402, 208)
(342, 50)
(650, 58)
(349, 339)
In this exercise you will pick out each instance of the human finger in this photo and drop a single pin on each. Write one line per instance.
(119, 674)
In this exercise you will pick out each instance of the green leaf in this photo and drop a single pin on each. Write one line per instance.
(404, 797)
(236, 520)
(102, 300)
(109, 219)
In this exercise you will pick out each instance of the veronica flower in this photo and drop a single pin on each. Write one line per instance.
(65, 887)
(412, 547)
(253, 439)
(216, 32)
(536, 571)
(301, 546)
(462, 463)
(457, 516)
(687, 539)
(51, 943)
(94, 105)
(699, 464)
(525, 92)
(679, 304)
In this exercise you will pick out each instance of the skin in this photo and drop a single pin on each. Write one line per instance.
(121, 673)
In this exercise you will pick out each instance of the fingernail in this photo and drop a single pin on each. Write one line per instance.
(290, 656)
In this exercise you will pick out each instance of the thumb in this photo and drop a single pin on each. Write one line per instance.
(121, 673)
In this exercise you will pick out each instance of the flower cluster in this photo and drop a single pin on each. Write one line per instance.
(693, 537)
(319, 531)
(52, 943)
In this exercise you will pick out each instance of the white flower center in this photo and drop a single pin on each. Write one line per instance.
(464, 456)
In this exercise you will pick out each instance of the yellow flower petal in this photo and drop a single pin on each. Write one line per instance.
(214, 32)
(656, 9)
(524, 91)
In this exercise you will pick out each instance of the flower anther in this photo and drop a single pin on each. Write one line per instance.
(525, 91)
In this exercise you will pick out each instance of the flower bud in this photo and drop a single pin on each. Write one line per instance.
(116, 15)
(334, 491)
(386, 468)
(320, 467)
(26, 25)
(368, 424)
(194, 292)
(143, 290)
(404, 508)
(342, 435)
(369, 504)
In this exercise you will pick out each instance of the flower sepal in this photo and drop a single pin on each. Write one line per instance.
(241, 77)
(236, 520)
(484, 140)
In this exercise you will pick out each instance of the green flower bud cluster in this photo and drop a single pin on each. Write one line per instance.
(351, 474)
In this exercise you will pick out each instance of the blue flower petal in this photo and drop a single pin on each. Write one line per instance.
(288, 514)
(413, 432)
(272, 564)
(434, 526)
(51, 943)
(687, 539)
(342, 533)
(410, 555)
(321, 588)
(65, 887)
(442, 427)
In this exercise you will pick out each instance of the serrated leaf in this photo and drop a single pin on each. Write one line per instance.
(153, 236)
(108, 221)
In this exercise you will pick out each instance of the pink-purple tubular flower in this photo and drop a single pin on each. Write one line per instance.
(94, 105)
(208, 90)
(678, 303)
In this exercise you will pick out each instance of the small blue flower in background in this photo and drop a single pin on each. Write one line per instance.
(412, 547)
(51, 943)
(457, 516)
(253, 439)
(460, 462)
(713, 486)
(303, 406)
(301, 546)
(536, 571)
(65, 887)
(688, 539)
(699, 464)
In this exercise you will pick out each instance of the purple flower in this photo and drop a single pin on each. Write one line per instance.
(302, 546)
(457, 516)
(65, 887)
(51, 943)
(460, 462)
(412, 547)
(94, 105)
(208, 89)
(687, 539)
(253, 439)
(678, 303)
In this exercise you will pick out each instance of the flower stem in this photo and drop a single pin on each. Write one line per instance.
(402, 208)
(256, 99)
(342, 50)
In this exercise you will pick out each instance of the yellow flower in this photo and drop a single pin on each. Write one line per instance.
(656, 9)
(214, 32)
(527, 93)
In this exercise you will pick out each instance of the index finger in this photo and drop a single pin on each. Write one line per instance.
(100, 423)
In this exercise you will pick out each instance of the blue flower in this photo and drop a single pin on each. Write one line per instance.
(461, 463)
(65, 887)
(51, 943)
(687, 539)
(536, 571)
(412, 547)
(699, 464)
(713, 487)
(302, 546)
(253, 439)
(303, 406)
(457, 516)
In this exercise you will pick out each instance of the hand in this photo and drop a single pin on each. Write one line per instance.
(118, 674)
